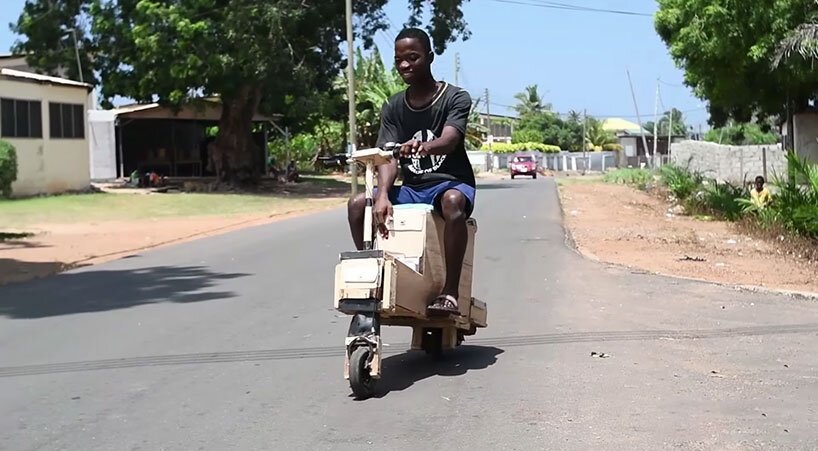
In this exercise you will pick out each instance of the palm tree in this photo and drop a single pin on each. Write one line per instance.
(475, 131)
(530, 102)
(802, 41)
(596, 137)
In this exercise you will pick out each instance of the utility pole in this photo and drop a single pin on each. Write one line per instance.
(584, 140)
(457, 69)
(638, 118)
(351, 94)
(488, 118)
(656, 119)
(669, 132)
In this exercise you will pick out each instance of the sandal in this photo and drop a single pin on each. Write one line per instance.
(443, 305)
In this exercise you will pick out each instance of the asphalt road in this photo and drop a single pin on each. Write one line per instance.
(231, 342)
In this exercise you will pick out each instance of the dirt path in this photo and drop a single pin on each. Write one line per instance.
(57, 247)
(618, 224)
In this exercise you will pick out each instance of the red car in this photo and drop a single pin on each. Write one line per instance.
(521, 164)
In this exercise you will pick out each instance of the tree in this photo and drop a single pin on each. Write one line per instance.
(270, 56)
(679, 127)
(802, 41)
(596, 137)
(726, 51)
(741, 135)
(475, 131)
(530, 102)
(374, 85)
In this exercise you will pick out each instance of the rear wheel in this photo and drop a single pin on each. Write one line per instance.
(432, 342)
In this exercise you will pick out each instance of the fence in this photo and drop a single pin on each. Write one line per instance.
(562, 161)
(736, 164)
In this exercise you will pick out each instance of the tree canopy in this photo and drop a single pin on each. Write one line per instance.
(271, 56)
(727, 49)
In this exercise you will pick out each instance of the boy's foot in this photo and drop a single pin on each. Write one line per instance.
(443, 305)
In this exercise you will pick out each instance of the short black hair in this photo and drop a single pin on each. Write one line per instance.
(760, 179)
(416, 33)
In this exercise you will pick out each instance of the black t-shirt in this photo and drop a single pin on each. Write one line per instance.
(401, 123)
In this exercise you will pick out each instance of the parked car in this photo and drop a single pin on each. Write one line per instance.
(522, 164)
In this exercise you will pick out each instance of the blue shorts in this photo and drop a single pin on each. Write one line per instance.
(431, 194)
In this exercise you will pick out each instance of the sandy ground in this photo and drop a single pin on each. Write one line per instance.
(59, 247)
(618, 224)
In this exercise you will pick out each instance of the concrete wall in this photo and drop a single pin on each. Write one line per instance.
(45, 165)
(730, 163)
(805, 127)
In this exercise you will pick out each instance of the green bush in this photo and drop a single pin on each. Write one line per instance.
(681, 182)
(8, 168)
(521, 147)
(612, 147)
(795, 205)
(718, 199)
(629, 176)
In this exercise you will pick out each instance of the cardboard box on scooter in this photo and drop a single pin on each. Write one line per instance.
(416, 239)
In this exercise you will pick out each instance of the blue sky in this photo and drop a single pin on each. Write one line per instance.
(577, 58)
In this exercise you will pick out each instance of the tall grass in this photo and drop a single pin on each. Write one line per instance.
(794, 207)
(629, 176)
(679, 181)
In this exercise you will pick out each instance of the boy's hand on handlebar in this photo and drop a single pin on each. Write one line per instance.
(412, 148)
(382, 211)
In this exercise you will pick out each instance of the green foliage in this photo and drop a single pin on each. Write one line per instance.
(795, 205)
(741, 134)
(8, 168)
(530, 102)
(726, 52)
(527, 135)
(596, 137)
(719, 200)
(521, 147)
(612, 147)
(276, 56)
(681, 182)
(679, 126)
(639, 178)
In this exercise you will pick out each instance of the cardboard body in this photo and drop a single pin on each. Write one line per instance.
(412, 270)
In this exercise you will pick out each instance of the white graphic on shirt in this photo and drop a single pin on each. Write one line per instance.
(429, 163)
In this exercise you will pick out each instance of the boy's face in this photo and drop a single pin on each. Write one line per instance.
(411, 60)
(759, 185)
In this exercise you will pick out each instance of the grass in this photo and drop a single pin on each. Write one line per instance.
(629, 176)
(75, 208)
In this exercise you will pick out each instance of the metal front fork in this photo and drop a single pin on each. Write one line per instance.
(365, 330)
(369, 233)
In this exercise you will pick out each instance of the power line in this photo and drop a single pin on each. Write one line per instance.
(561, 114)
(565, 6)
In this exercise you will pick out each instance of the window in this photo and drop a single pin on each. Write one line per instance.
(21, 118)
(66, 120)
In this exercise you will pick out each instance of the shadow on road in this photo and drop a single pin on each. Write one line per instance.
(103, 290)
(403, 370)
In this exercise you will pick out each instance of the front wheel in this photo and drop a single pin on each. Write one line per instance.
(535, 176)
(360, 381)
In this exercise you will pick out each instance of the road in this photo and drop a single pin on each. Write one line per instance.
(231, 342)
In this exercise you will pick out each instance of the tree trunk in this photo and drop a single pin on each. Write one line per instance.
(234, 157)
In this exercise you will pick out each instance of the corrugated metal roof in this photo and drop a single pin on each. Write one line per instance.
(11, 73)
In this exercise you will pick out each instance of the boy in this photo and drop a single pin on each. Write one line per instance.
(429, 118)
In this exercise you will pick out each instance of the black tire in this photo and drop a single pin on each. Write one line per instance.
(432, 342)
(512, 176)
(535, 176)
(361, 383)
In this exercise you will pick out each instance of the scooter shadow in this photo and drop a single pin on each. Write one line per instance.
(403, 370)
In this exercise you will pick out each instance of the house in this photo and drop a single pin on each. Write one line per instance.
(152, 137)
(805, 131)
(502, 127)
(44, 118)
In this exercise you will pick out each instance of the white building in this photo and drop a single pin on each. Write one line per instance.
(44, 118)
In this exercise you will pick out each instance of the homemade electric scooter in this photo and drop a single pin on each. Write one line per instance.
(392, 281)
